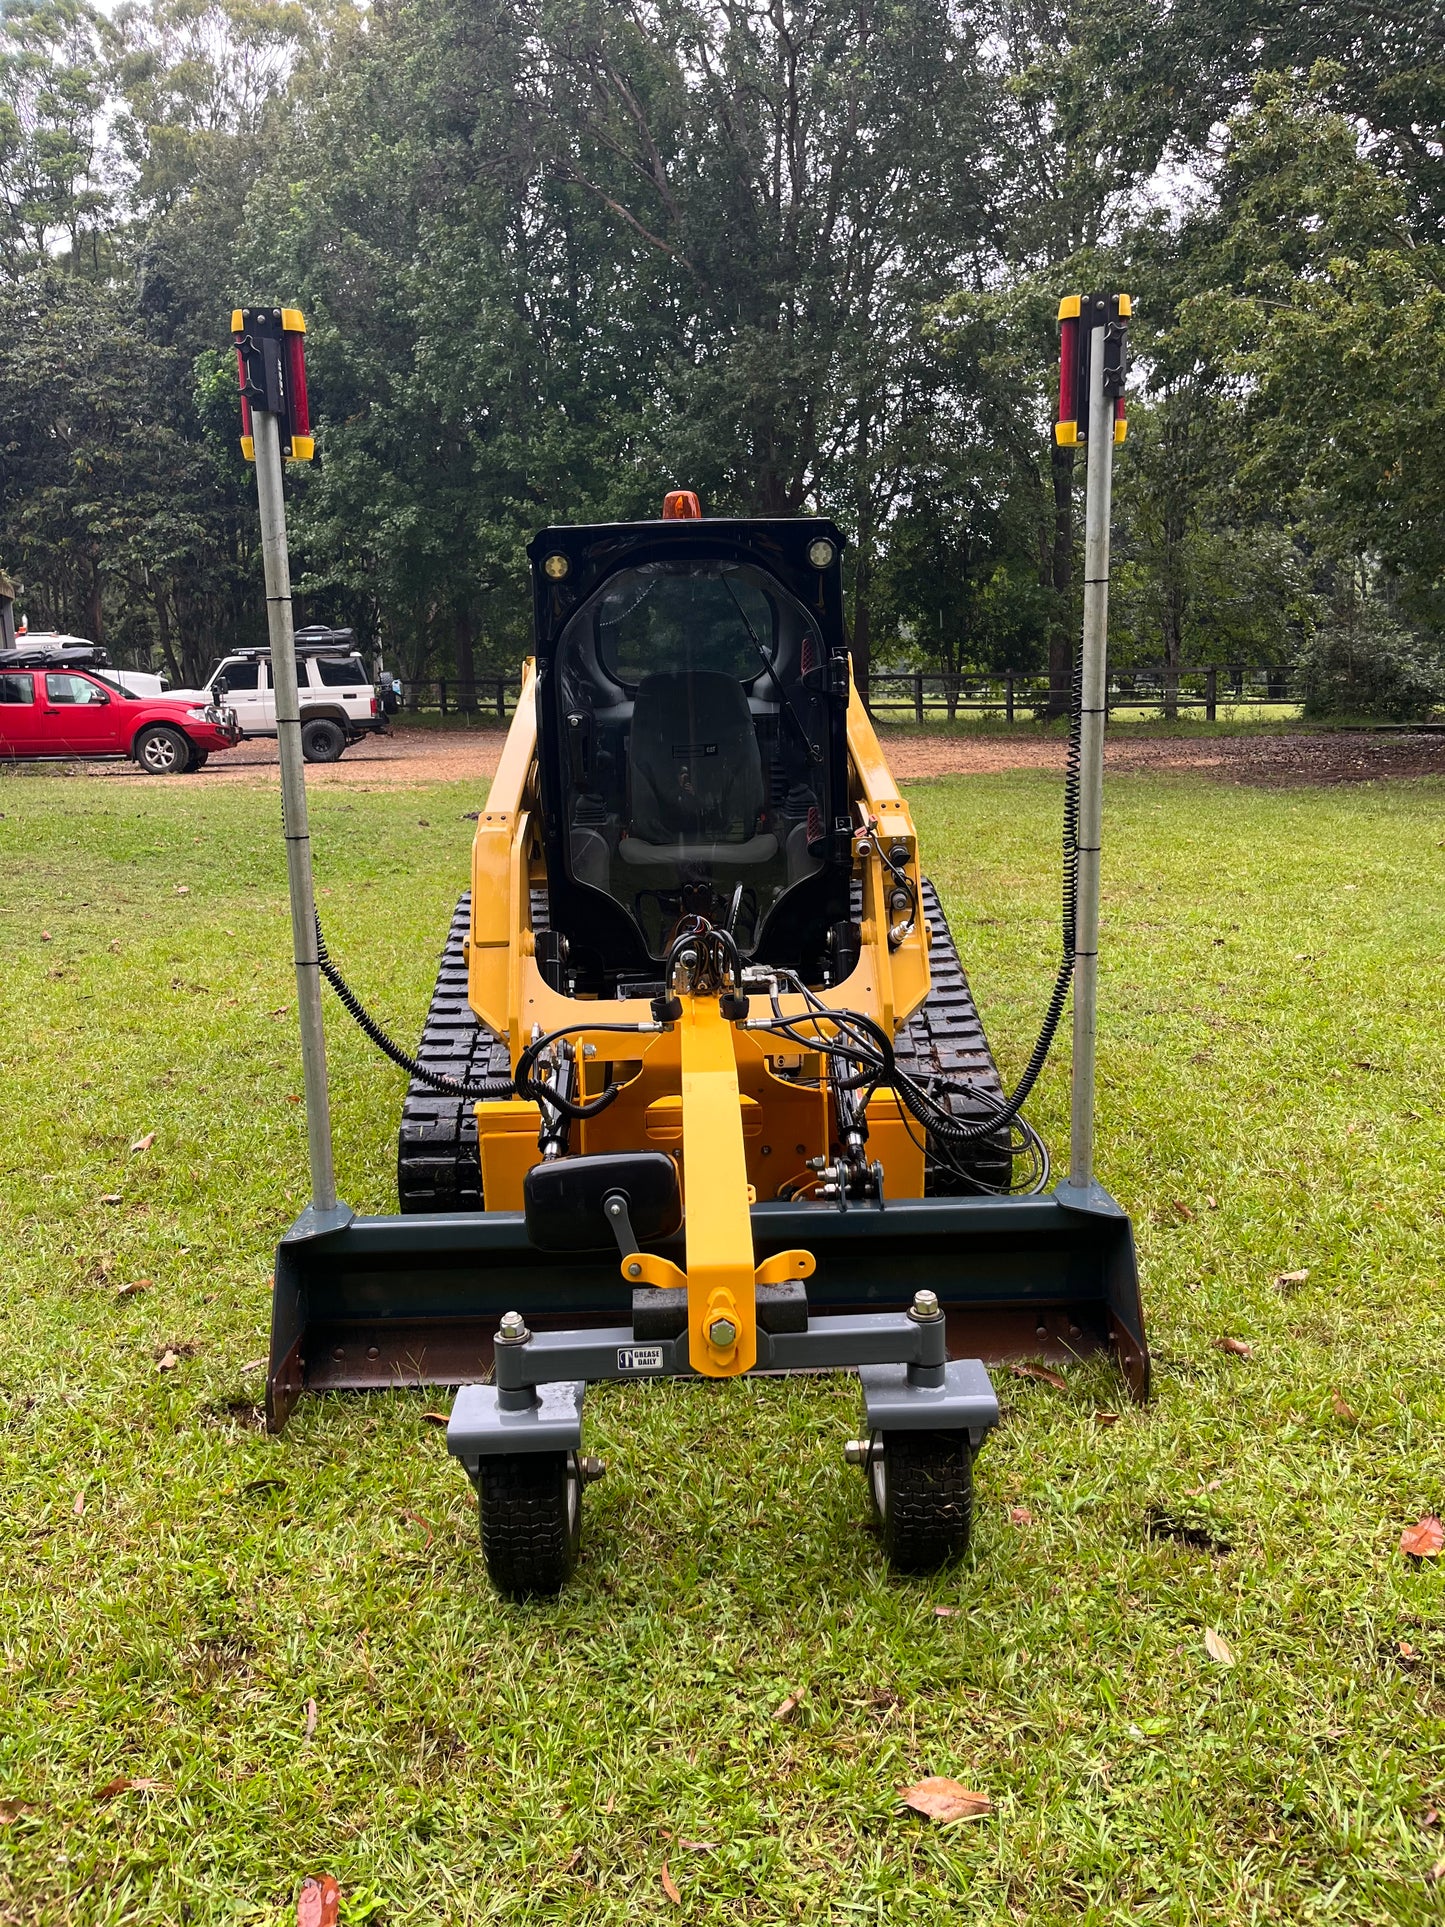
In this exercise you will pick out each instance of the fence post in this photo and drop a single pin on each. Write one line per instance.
(501, 699)
(1211, 693)
(1008, 696)
(442, 693)
(918, 696)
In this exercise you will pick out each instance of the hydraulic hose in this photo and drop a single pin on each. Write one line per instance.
(493, 1088)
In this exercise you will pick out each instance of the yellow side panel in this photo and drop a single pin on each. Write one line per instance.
(892, 1143)
(501, 904)
(507, 1140)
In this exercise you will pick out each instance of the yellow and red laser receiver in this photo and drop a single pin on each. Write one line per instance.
(1079, 315)
(271, 365)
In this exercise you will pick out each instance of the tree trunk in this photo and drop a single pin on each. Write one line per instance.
(1061, 579)
(163, 633)
(466, 659)
(1173, 632)
(95, 621)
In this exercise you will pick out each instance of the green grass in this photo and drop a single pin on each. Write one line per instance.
(1272, 1065)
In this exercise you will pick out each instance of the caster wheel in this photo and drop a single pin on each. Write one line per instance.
(531, 1507)
(922, 1489)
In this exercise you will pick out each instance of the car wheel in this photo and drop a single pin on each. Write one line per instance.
(162, 751)
(199, 759)
(322, 741)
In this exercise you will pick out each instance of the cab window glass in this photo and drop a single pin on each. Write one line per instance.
(17, 689)
(73, 689)
(241, 675)
(339, 675)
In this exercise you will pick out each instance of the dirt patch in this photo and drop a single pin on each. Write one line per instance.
(414, 756)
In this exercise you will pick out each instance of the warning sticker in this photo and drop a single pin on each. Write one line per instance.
(639, 1358)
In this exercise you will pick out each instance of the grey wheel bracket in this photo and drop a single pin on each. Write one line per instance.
(482, 1427)
(964, 1402)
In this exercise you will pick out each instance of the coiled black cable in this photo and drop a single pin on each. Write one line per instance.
(493, 1088)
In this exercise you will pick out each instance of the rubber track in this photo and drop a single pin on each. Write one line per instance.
(945, 1038)
(437, 1166)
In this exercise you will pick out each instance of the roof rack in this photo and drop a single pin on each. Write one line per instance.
(316, 640)
(47, 655)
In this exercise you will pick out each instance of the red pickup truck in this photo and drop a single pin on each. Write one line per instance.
(51, 706)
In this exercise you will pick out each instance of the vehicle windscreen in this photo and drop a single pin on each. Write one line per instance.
(693, 733)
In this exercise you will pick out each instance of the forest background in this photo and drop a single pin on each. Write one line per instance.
(800, 255)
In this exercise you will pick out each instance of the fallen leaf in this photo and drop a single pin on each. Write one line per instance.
(144, 1143)
(310, 1718)
(183, 889)
(1430, 1817)
(254, 1364)
(698, 1846)
(45, 937)
(942, 1799)
(1217, 1647)
(572, 1859)
(1182, 1208)
(1043, 1374)
(1236, 1346)
(123, 1783)
(789, 1706)
(1106, 1418)
(10, 1811)
(1436, 1873)
(1019, 1515)
(669, 1886)
(1213, 1203)
(168, 1361)
(1288, 1281)
(280, 1010)
(944, 1612)
(293, 1097)
(417, 1520)
(1424, 1539)
(111, 1197)
(135, 1285)
(436, 1418)
(79, 1505)
(1342, 1409)
(318, 1903)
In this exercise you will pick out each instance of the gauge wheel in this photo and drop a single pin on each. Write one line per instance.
(531, 1514)
(322, 741)
(922, 1489)
(162, 751)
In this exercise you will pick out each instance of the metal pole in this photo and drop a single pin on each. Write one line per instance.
(1094, 697)
(293, 807)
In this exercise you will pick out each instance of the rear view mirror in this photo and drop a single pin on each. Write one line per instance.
(566, 1199)
(220, 689)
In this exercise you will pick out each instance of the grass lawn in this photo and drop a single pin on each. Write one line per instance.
(177, 1587)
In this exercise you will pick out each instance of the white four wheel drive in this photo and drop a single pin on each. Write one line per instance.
(339, 703)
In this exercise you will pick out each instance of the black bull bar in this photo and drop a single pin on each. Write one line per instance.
(366, 1304)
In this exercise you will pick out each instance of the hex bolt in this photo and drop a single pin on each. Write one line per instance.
(857, 1451)
(589, 1470)
(925, 1305)
(513, 1328)
(723, 1333)
(634, 1270)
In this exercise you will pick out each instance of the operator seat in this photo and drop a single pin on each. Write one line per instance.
(696, 774)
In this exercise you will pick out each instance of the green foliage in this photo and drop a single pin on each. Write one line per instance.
(1365, 662)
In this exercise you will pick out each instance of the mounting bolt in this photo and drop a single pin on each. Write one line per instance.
(590, 1470)
(858, 1452)
(634, 1270)
(925, 1305)
(513, 1329)
(723, 1333)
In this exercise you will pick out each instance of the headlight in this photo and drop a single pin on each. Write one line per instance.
(202, 715)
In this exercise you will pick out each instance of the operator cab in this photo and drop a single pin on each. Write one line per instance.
(692, 691)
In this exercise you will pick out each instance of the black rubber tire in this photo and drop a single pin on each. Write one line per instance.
(531, 1512)
(921, 1484)
(199, 760)
(161, 750)
(322, 741)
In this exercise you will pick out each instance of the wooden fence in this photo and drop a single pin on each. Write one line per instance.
(932, 696)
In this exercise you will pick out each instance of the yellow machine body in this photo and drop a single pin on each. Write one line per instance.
(704, 1090)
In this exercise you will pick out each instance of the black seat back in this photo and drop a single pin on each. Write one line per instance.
(696, 770)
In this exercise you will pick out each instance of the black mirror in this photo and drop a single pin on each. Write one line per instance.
(566, 1199)
(220, 689)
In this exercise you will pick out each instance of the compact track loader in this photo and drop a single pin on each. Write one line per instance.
(703, 1090)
